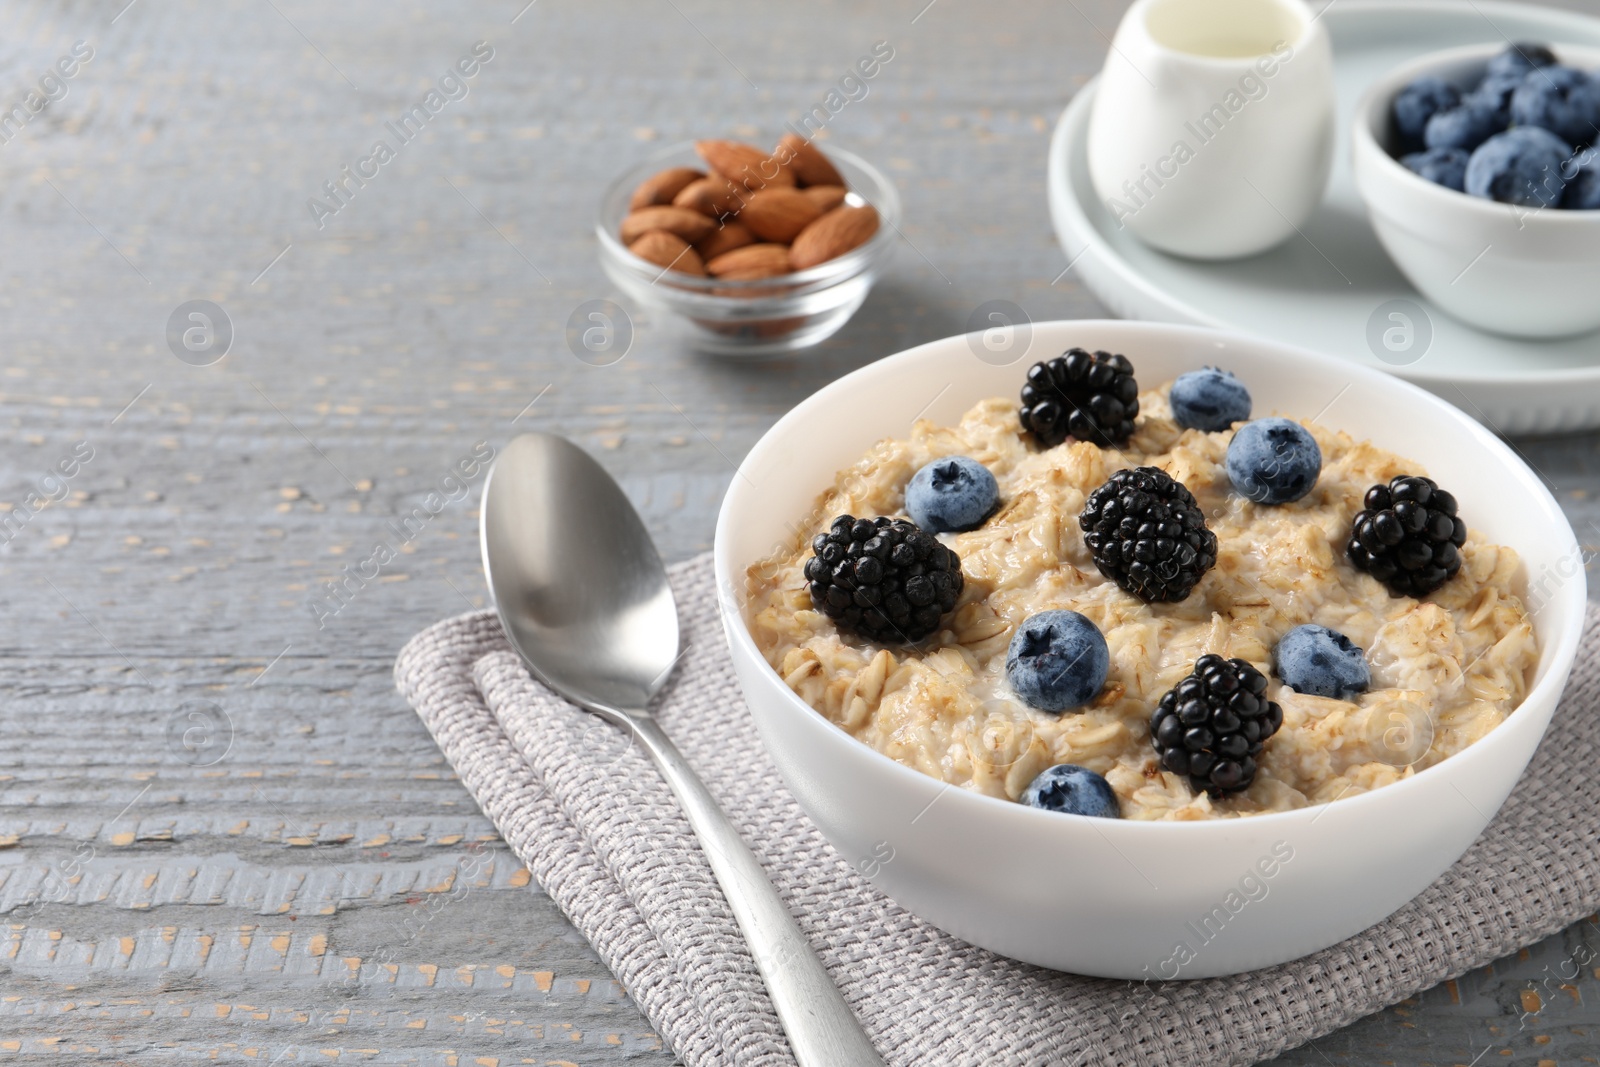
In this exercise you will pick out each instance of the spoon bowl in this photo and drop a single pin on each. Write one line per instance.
(574, 574)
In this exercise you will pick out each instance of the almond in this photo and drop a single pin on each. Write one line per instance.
(689, 225)
(827, 197)
(833, 235)
(806, 161)
(779, 213)
(713, 196)
(670, 251)
(733, 234)
(662, 186)
(743, 164)
(751, 262)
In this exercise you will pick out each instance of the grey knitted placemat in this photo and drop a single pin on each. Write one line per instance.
(598, 828)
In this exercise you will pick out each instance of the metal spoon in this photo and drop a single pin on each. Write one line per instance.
(583, 596)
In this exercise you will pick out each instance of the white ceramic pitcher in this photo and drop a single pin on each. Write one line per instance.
(1213, 124)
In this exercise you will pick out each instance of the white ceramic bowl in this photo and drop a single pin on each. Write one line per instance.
(1513, 270)
(1107, 897)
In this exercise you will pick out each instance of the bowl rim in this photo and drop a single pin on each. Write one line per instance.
(1380, 94)
(1558, 657)
(829, 272)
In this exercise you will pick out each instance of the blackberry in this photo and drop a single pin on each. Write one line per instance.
(1090, 396)
(1408, 536)
(1213, 725)
(1147, 534)
(885, 579)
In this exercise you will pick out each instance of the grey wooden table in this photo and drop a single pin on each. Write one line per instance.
(222, 834)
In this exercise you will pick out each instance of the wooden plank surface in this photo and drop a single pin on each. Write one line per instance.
(223, 836)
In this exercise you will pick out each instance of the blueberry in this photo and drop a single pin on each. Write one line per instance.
(1416, 104)
(1521, 166)
(1442, 166)
(1583, 190)
(1559, 99)
(1273, 461)
(1057, 660)
(1073, 791)
(1321, 662)
(1465, 127)
(1494, 92)
(1518, 59)
(951, 494)
(1209, 399)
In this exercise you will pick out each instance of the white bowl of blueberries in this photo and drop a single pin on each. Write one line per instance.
(1480, 168)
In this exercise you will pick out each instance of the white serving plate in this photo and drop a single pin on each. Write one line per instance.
(1325, 291)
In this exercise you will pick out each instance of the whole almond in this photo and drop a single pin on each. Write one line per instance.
(733, 234)
(806, 161)
(827, 197)
(751, 262)
(662, 186)
(743, 164)
(689, 225)
(833, 235)
(713, 196)
(778, 213)
(670, 251)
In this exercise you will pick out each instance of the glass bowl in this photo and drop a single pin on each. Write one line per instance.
(768, 315)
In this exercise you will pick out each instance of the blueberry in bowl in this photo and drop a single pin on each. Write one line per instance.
(1520, 58)
(1072, 790)
(1519, 118)
(1209, 399)
(1416, 104)
(1442, 166)
(1273, 461)
(952, 494)
(1495, 92)
(1562, 100)
(1322, 662)
(1465, 126)
(1523, 166)
(1057, 660)
(1514, 118)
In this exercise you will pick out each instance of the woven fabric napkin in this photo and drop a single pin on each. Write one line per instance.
(600, 831)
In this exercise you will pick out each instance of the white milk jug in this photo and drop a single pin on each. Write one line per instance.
(1213, 124)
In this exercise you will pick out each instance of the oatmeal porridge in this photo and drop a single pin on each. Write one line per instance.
(1436, 673)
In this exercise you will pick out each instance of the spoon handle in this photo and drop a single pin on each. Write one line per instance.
(823, 1031)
